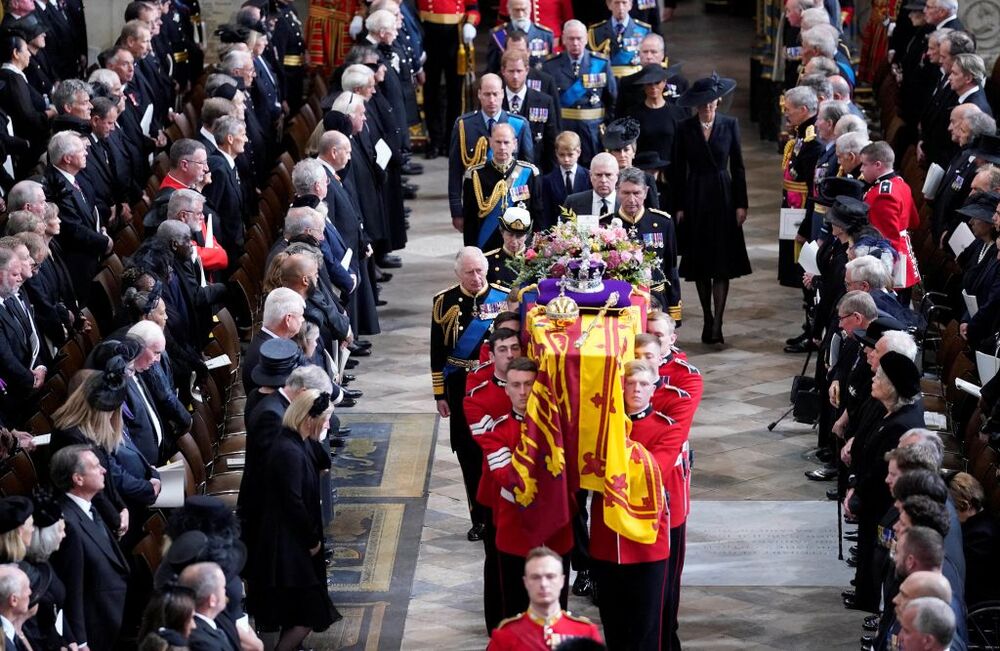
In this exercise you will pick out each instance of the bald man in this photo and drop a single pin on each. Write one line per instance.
(470, 139)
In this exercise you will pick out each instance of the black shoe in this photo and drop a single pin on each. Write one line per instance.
(391, 262)
(431, 152)
(347, 403)
(854, 583)
(380, 303)
(352, 363)
(347, 378)
(583, 586)
(791, 341)
(343, 431)
(870, 623)
(409, 192)
(336, 442)
(409, 168)
(353, 393)
(363, 343)
(706, 334)
(852, 562)
(383, 277)
(852, 604)
(824, 454)
(476, 533)
(357, 351)
(851, 536)
(833, 495)
(853, 551)
(805, 347)
(826, 473)
(848, 594)
(867, 640)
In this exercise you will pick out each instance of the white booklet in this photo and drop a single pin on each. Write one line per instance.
(932, 180)
(961, 238)
(807, 258)
(968, 387)
(382, 153)
(791, 218)
(987, 366)
(171, 486)
(971, 304)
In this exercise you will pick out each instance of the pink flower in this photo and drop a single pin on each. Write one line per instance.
(614, 259)
(557, 270)
(626, 256)
(530, 254)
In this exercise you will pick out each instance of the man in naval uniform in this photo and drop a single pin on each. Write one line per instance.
(618, 38)
(541, 42)
(470, 139)
(587, 89)
(655, 230)
(460, 321)
(492, 187)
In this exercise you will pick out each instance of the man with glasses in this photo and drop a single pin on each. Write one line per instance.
(188, 207)
(188, 168)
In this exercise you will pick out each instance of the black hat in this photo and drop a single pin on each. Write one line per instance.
(902, 372)
(208, 506)
(48, 511)
(278, 358)
(39, 578)
(128, 349)
(981, 206)
(649, 160)
(651, 73)
(832, 187)
(848, 213)
(884, 323)
(621, 133)
(107, 392)
(705, 90)
(915, 5)
(232, 33)
(337, 121)
(188, 548)
(225, 91)
(28, 27)
(14, 511)
(988, 148)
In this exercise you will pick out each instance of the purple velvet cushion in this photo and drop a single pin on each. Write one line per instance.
(548, 289)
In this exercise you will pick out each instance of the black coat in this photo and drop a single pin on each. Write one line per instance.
(554, 194)
(346, 216)
(871, 468)
(80, 237)
(981, 278)
(95, 572)
(711, 182)
(364, 181)
(251, 358)
(952, 193)
(981, 539)
(204, 638)
(25, 107)
(225, 194)
(141, 421)
(263, 428)
(582, 202)
(108, 502)
(937, 143)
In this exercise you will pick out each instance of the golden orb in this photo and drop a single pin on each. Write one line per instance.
(562, 311)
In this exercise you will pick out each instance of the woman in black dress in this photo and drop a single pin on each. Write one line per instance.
(658, 121)
(291, 592)
(712, 206)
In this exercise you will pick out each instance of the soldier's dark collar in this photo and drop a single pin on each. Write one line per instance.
(666, 359)
(639, 415)
(886, 176)
(497, 381)
(516, 416)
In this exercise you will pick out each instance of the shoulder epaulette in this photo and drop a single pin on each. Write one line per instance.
(509, 620)
(531, 166)
(577, 618)
(599, 55)
(553, 55)
(477, 388)
(810, 134)
(660, 414)
(445, 291)
(493, 252)
(885, 187)
(660, 212)
(474, 168)
(596, 25)
(498, 28)
(688, 365)
(644, 24)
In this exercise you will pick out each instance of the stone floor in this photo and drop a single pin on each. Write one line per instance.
(746, 388)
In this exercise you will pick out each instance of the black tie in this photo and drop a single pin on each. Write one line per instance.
(515, 104)
(569, 183)
(489, 125)
(576, 69)
(99, 523)
(604, 206)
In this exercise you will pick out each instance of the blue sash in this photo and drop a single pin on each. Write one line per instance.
(516, 122)
(500, 36)
(624, 57)
(492, 221)
(467, 346)
(569, 97)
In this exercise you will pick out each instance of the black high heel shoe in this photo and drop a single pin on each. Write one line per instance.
(706, 334)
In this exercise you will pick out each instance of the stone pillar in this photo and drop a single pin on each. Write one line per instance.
(982, 18)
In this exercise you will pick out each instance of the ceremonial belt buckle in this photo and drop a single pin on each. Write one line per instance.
(622, 71)
(583, 114)
(441, 19)
(467, 364)
(293, 60)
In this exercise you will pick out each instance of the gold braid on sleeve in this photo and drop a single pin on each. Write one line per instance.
(478, 154)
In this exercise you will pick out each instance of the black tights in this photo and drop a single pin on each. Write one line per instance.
(713, 293)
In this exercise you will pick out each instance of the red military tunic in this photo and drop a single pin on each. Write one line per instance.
(676, 371)
(448, 12)
(527, 632)
(655, 432)
(481, 373)
(483, 404)
(498, 442)
(893, 213)
(548, 13)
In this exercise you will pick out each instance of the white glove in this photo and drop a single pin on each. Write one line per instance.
(357, 23)
(468, 33)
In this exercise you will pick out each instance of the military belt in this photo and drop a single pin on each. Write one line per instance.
(441, 19)
(795, 186)
(622, 71)
(181, 57)
(293, 60)
(583, 114)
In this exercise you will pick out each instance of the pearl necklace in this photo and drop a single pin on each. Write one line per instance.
(986, 249)
(707, 126)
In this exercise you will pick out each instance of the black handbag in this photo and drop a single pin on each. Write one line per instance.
(805, 397)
